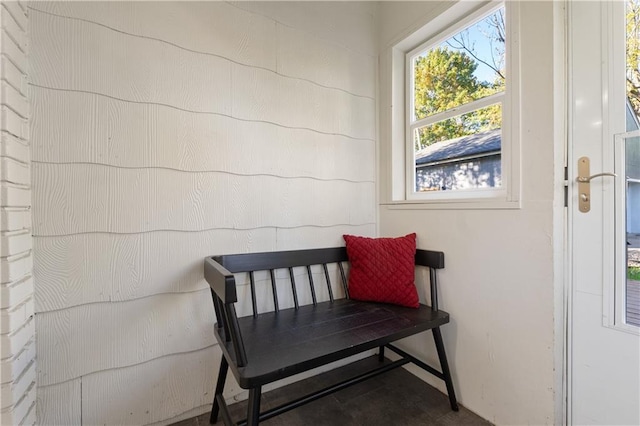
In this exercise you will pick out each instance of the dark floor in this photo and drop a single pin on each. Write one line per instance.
(393, 398)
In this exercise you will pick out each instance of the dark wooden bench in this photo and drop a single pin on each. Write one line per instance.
(265, 347)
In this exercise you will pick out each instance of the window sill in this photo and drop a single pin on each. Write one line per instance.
(467, 204)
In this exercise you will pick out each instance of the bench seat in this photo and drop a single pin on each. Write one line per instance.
(292, 341)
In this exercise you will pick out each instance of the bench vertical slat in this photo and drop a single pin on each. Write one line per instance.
(434, 289)
(236, 336)
(219, 310)
(326, 276)
(253, 294)
(344, 280)
(274, 289)
(293, 288)
(225, 319)
(313, 289)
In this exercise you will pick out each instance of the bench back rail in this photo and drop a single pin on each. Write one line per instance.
(219, 272)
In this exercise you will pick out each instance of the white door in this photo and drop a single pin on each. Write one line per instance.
(603, 348)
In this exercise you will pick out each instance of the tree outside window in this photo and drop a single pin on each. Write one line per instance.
(633, 54)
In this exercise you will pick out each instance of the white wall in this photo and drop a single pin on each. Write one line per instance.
(165, 132)
(500, 284)
(17, 347)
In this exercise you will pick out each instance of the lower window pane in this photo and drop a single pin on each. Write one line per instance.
(463, 152)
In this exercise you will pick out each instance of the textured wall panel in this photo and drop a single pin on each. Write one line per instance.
(60, 404)
(141, 135)
(172, 385)
(213, 27)
(305, 56)
(138, 265)
(137, 69)
(347, 24)
(88, 198)
(257, 94)
(162, 133)
(315, 237)
(263, 96)
(76, 341)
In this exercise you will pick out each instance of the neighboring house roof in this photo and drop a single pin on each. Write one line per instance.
(463, 147)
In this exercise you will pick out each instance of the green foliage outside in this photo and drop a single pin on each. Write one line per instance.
(633, 54)
(633, 273)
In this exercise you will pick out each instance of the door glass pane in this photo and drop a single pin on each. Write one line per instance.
(631, 162)
(632, 178)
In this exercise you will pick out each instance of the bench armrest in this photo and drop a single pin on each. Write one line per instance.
(430, 258)
(221, 281)
(223, 287)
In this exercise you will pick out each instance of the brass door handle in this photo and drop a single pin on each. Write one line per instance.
(584, 183)
(588, 178)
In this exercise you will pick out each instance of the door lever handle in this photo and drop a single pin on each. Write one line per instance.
(588, 178)
(584, 184)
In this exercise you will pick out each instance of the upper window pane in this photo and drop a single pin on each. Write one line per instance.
(466, 67)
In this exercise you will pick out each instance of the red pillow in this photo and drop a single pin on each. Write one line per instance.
(382, 269)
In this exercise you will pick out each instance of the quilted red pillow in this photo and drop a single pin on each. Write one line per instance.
(382, 269)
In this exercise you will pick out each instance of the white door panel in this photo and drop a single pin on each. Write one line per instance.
(606, 376)
(604, 356)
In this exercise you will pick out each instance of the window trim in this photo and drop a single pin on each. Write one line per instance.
(448, 23)
(487, 101)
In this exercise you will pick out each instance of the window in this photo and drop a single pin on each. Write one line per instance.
(457, 109)
(628, 281)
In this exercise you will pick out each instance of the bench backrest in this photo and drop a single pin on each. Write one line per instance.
(219, 272)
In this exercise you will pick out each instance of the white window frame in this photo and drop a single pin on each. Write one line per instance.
(447, 24)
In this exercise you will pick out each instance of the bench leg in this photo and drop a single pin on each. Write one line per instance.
(437, 337)
(222, 377)
(253, 409)
(381, 354)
